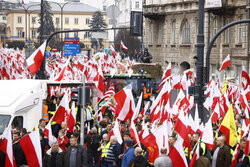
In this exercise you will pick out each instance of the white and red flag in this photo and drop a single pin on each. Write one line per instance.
(62, 111)
(125, 103)
(245, 79)
(35, 60)
(195, 156)
(113, 51)
(155, 141)
(71, 118)
(6, 147)
(60, 75)
(165, 76)
(123, 46)
(177, 154)
(48, 133)
(32, 148)
(100, 85)
(225, 63)
(208, 136)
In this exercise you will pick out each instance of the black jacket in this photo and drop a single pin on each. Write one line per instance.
(81, 157)
(139, 161)
(61, 159)
(93, 142)
(19, 154)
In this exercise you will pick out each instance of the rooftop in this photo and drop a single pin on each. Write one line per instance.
(70, 7)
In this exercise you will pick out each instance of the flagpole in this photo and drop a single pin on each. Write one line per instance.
(82, 111)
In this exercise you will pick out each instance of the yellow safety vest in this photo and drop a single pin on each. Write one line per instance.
(53, 113)
(105, 149)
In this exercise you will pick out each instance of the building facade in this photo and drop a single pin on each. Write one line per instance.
(23, 22)
(171, 28)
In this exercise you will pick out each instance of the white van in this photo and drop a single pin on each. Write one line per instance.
(21, 101)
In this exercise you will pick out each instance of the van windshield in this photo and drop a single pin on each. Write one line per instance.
(4, 121)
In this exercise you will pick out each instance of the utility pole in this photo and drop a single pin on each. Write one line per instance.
(199, 85)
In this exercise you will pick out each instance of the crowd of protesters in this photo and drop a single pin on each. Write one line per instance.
(102, 149)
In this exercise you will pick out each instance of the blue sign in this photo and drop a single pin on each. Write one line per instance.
(47, 54)
(14, 36)
(71, 49)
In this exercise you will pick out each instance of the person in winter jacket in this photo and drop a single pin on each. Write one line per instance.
(139, 160)
(63, 140)
(55, 157)
(129, 153)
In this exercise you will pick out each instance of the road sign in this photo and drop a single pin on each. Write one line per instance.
(54, 49)
(71, 49)
(99, 35)
(213, 4)
(69, 40)
(48, 48)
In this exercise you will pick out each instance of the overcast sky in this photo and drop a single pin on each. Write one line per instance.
(94, 3)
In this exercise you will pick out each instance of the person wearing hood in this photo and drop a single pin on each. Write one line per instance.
(139, 160)
(55, 156)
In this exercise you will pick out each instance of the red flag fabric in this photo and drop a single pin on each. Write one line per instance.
(35, 60)
(48, 133)
(62, 111)
(177, 154)
(225, 63)
(71, 119)
(245, 76)
(195, 156)
(59, 77)
(32, 148)
(6, 147)
(123, 46)
(125, 103)
(182, 130)
(100, 86)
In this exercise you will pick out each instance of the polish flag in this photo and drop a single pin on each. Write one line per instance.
(60, 75)
(216, 114)
(166, 74)
(117, 132)
(182, 130)
(100, 85)
(177, 154)
(113, 51)
(181, 103)
(6, 147)
(32, 148)
(137, 109)
(123, 46)
(48, 133)
(155, 141)
(125, 103)
(225, 63)
(244, 76)
(195, 156)
(144, 132)
(62, 111)
(71, 120)
(133, 133)
(35, 60)
(208, 136)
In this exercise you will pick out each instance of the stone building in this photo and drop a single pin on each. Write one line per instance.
(171, 28)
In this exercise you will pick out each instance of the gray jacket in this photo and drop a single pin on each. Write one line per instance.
(81, 156)
(163, 161)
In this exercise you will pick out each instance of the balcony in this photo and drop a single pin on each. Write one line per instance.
(155, 12)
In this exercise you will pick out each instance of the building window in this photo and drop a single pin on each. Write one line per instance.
(186, 33)
(20, 33)
(57, 20)
(87, 21)
(240, 33)
(215, 28)
(4, 17)
(19, 19)
(160, 33)
(33, 20)
(151, 38)
(33, 33)
(227, 32)
(76, 34)
(137, 4)
(66, 35)
(66, 20)
(86, 35)
(174, 31)
(76, 20)
(104, 8)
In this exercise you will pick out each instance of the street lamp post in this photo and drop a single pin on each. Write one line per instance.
(61, 7)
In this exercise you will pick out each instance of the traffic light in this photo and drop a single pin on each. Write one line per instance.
(22, 34)
(78, 95)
